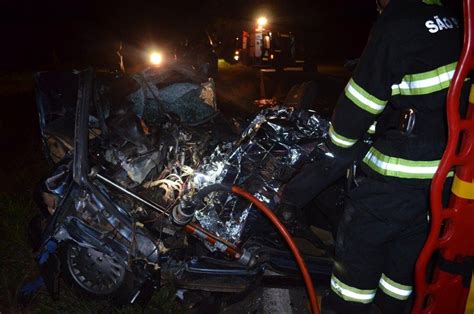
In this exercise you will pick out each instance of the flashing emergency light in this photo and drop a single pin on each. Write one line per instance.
(262, 21)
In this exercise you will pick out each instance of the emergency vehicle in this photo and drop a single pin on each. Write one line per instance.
(264, 47)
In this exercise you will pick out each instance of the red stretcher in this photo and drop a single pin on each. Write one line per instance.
(444, 267)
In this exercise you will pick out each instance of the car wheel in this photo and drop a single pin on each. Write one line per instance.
(95, 273)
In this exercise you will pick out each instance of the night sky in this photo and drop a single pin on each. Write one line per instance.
(37, 33)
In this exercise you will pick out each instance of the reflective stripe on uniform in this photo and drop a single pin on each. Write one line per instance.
(394, 289)
(351, 294)
(398, 167)
(426, 82)
(363, 99)
(340, 140)
(433, 2)
(371, 129)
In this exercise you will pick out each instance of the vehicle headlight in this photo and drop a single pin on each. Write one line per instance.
(156, 58)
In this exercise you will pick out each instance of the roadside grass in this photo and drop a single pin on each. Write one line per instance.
(14, 82)
(18, 267)
(16, 259)
(22, 167)
(70, 302)
(238, 87)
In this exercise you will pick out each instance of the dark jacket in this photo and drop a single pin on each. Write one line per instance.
(408, 64)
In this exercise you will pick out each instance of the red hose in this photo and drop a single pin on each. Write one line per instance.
(286, 235)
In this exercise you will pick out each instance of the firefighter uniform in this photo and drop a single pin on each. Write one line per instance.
(401, 81)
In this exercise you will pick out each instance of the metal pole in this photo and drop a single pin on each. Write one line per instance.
(151, 204)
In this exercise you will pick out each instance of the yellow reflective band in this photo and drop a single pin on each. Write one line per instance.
(426, 82)
(394, 289)
(364, 100)
(471, 95)
(399, 167)
(463, 189)
(351, 294)
(340, 140)
(433, 2)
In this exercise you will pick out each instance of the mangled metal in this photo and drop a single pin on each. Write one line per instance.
(147, 183)
(271, 149)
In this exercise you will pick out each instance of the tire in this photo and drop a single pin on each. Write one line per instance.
(96, 275)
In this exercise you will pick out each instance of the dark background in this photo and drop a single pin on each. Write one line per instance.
(36, 34)
(72, 34)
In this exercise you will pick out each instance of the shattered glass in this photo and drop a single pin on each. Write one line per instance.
(191, 98)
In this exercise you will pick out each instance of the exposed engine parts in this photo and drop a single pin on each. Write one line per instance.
(143, 194)
(183, 213)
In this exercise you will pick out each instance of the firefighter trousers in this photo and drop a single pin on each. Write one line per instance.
(381, 233)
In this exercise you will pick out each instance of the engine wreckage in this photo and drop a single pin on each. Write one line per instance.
(138, 195)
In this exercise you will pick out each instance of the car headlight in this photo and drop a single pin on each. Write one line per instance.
(156, 58)
(236, 55)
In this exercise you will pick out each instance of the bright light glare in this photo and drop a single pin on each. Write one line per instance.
(156, 58)
(236, 58)
(262, 21)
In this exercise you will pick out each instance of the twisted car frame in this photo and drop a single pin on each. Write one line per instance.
(139, 195)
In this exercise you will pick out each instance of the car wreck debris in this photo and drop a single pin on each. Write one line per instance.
(141, 194)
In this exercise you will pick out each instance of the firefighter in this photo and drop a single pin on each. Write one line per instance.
(401, 81)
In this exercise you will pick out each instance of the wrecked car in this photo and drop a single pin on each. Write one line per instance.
(139, 195)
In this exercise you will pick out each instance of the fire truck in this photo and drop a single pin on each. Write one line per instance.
(264, 47)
